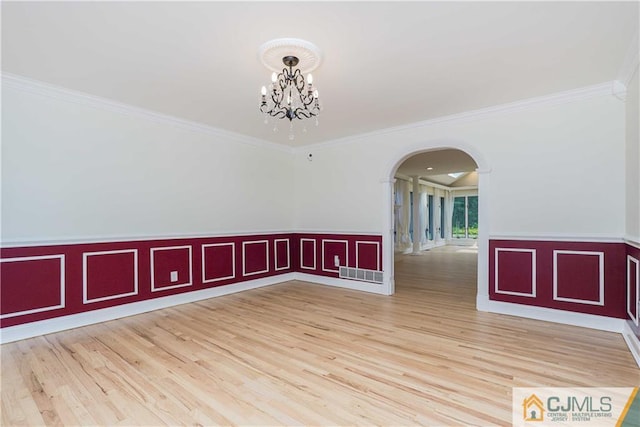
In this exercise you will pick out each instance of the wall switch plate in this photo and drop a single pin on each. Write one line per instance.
(174, 276)
(336, 261)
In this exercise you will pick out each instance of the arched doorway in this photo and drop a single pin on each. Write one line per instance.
(435, 201)
(483, 172)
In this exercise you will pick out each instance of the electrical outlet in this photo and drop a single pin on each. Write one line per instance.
(174, 276)
(336, 261)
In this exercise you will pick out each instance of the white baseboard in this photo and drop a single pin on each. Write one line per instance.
(342, 283)
(29, 330)
(584, 320)
(632, 342)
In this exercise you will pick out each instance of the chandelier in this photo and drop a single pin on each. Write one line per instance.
(290, 95)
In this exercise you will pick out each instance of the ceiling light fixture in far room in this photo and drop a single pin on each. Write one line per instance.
(290, 95)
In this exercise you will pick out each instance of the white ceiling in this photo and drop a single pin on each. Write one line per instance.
(385, 63)
(434, 166)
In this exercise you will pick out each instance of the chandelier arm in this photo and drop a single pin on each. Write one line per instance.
(298, 81)
(306, 100)
(283, 79)
(277, 97)
(303, 113)
(279, 114)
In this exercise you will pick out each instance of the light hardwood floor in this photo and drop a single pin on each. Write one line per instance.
(303, 354)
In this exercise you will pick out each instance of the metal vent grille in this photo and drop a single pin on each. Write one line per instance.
(362, 274)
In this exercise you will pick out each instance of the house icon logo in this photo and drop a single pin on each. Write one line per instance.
(533, 408)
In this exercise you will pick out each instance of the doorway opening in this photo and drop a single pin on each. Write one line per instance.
(435, 201)
(437, 215)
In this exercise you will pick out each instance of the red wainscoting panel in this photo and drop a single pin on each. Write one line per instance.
(578, 276)
(585, 277)
(308, 254)
(330, 250)
(282, 254)
(317, 252)
(368, 255)
(255, 257)
(31, 285)
(43, 282)
(515, 272)
(218, 262)
(633, 287)
(171, 267)
(109, 275)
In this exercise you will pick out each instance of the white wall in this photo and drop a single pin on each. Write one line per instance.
(73, 171)
(556, 170)
(633, 160)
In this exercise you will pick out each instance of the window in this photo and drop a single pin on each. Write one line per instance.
(472, 217)
(411, 216)
(465, 217)
(429, 230)
(442, 217)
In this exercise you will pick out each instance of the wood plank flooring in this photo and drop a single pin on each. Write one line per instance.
(304, 354)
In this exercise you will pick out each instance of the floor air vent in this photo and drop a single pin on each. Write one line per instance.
(361, 274)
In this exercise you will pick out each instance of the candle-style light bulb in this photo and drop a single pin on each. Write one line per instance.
(309, 79)
(315, 94)
(263, 91)
(274, 77)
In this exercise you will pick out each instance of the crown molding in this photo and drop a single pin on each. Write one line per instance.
(574, 95)
(630, 64)
(36, 87)
(56, 92)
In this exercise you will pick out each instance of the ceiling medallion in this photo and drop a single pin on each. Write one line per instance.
(289, 95)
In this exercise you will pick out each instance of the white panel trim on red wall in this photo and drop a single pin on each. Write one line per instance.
(600, 276)
(180, 285)
(85, 284)
(59, 257)
(533, 272)
(275, 254)
(244, 257)
(302, 266)
(233, 262)
(633, 316)
(346, 254)
(365, 242)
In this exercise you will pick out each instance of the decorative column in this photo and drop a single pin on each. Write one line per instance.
(417, 221)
